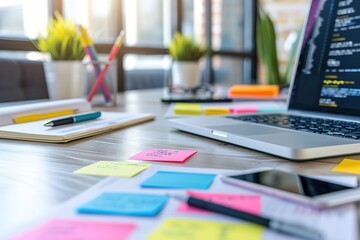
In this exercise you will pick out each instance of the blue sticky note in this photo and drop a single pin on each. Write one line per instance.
(179, 180)
(125, 204)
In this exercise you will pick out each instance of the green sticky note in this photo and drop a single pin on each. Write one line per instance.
(348, 166)
(187, 108)
(113, 168)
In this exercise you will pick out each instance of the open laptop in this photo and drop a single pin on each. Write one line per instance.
(323, 117)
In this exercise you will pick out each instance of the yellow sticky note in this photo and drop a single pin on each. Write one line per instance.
(185, 229)
(216, 110)
(113, 168)
(348, 166)
(187, 108)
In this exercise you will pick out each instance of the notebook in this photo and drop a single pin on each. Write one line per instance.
(323, 109)
(12, 125)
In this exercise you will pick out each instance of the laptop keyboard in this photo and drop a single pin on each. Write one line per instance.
(307, 124)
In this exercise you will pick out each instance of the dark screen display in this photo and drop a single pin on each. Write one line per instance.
(293, 183)
(327, 78)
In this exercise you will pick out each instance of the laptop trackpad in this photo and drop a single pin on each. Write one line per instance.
(246, 129)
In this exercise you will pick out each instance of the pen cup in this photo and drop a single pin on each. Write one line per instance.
(103, 74)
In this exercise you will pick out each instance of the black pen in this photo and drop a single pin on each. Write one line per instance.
(73, 119)
(277, 225)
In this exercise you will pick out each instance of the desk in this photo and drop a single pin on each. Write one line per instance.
(36, 177)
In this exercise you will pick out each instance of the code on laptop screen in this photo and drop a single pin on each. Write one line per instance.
(328, 73)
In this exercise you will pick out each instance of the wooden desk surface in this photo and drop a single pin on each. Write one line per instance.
(36, 177)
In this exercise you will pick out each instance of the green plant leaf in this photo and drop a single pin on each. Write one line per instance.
(61, 41)
(184, 48)
(266, 46)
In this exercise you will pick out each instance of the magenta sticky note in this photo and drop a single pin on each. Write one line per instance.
(248, 109)
(58, 229)
(164, 155)
(246, 203)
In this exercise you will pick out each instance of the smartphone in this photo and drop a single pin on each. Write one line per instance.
(300, 188)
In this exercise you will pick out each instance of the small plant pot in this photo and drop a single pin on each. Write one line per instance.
(185, 74)
(64, 79)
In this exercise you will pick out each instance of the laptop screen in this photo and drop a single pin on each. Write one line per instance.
(327, 78)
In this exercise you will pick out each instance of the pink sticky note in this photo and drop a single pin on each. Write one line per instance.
(237, 110)
(59, 229)
(247, 203)
(164, 155)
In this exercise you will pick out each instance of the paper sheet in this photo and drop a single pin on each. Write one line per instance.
(36, 131)
(337, 223)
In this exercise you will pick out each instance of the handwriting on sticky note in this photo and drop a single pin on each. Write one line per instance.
(164, 155)
(185, 229)
(178, 180)
(348, 166)
(125, 204)
(247, 203)
(76, 229)
(187, 108)
(113, 168)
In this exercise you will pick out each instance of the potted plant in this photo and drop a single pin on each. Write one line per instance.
(64, 69)
(186, 53)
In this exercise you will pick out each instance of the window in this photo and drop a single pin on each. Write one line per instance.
(22, 18)
(224, 26)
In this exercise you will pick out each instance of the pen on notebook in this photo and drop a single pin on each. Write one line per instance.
(92, 54)
(40, 116)
(73, 119)
(115, 49)
(276, 225)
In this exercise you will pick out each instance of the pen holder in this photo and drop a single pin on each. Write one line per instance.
(103, 74)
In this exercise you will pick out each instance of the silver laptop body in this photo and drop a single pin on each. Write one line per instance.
(326, 84)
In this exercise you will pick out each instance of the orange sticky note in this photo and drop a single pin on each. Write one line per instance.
(256, 91)
(348, 166)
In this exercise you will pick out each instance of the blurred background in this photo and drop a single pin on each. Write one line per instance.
(227, 27)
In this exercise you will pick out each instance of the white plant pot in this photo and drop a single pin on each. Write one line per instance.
(64, 79)
(186, 74)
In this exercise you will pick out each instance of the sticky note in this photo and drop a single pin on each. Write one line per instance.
(164, 155)
(133, 204)
(216, 110)
(271, 109)
(79, 229)
(257, 91)
(348, 166)
(238, 110)
(186, 229)
(247, 203)
(113, 168)
(187, 108)
(179, 180)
